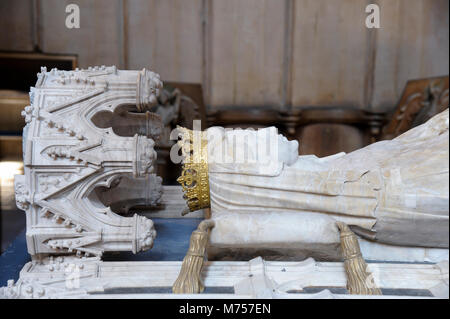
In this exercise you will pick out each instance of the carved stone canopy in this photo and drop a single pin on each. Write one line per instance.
(74, 161)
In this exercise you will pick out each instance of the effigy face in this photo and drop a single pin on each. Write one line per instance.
(72, 152)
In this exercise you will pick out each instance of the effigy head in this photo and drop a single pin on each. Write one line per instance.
(240, 151)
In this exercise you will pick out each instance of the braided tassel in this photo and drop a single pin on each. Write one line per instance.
(359, 280)
(189, 281)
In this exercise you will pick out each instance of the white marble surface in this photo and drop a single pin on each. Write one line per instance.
(392, 194)
(91, 278)
(70, 160)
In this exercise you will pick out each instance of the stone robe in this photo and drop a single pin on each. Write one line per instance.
(393, 192)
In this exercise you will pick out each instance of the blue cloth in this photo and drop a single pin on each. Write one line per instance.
(13, 259)
(171, 244)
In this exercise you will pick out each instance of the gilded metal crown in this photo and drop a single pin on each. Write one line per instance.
(194, 175)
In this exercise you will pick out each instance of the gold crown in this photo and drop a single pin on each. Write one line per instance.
(194, 175)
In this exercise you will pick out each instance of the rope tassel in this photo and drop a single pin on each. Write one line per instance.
(359, 279)
(189, 280)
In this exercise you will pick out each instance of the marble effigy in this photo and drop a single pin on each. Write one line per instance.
(274, 203)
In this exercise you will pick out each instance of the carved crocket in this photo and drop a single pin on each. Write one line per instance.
(71, 149)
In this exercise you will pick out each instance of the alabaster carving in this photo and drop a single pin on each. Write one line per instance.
(74, 158)
(281, 205)
(89, 157)
(360, 280)
(71, 277)
(174, 108)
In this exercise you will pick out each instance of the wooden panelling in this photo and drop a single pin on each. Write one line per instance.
(98, 41)
(246, 59)
(321, 131)
(10, 148)
(412, 43)
(16, 25)
(165, 36)
(329, 53)
(270, 53)
(12, 104)
(421, 100)
(328, 139)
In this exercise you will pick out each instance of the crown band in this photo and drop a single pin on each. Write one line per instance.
(194, 175)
